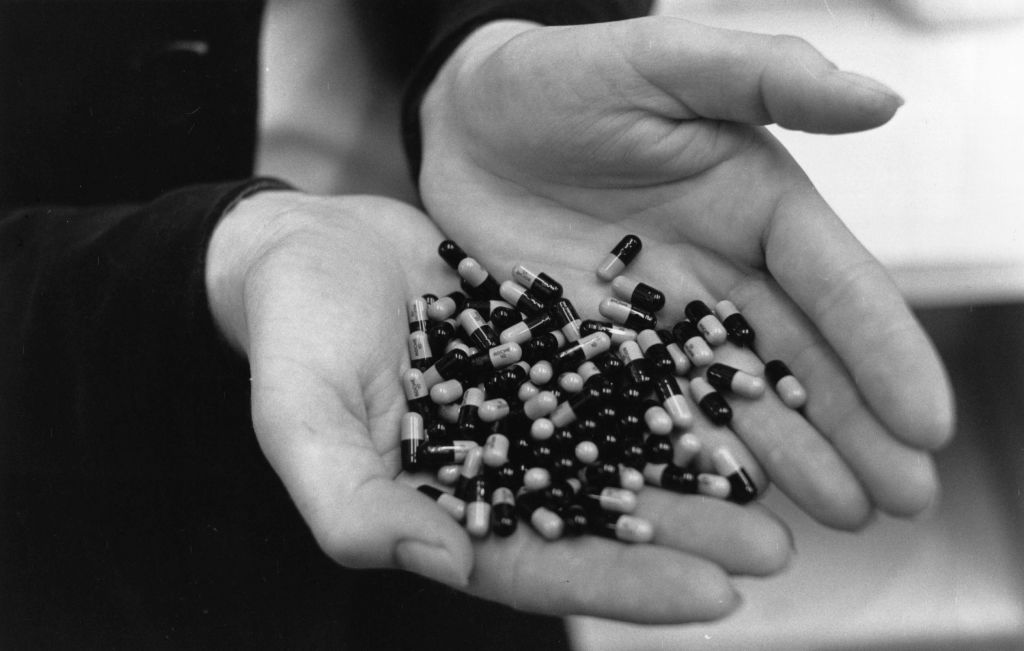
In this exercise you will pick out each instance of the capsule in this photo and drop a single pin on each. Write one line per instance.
(672, 400)
(540, 405)
(505, 382)
(541, 429)
(680, 361)
(471, 468)
(479, 280)
(440, 334)
(711, 402)
(707, 323)
(542, 372)
(609, 498)
(453, 505)
(728, 378)
(417, 313)
(448, 474)
(486, 306)
(658, 449)
(586, 452)
(615, 332)
(583, 350)
(742, 487)
(435, 455)
(626, 314)
(736, 326)
(497, 357)
(503, 512)
(447, 306)
(451, 253)
(411, 440)
(520, 298)
(530, 507)
(420, 354)
(479, 330)
(640, 294)
(446, 392)
(583, 402)
(542, 347)
(536, 478)
(687, 449)
(478, 508)
(541, 285)
(655, 350)
(417, 394)
(621, 255)
(447, 367)
(496, 450)
(658, 420)
(694, 346)
(567, 319)
(494, 409)
(790, 391)
(504, 316)
(679, 480)
(620, 526)
(638, 369)
(522, 331)
(469, 422)
(527, 390)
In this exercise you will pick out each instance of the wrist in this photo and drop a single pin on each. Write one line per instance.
(240, 238)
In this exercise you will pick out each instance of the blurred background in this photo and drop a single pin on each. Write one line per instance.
(935, 194)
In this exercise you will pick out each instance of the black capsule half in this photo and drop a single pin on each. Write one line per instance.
(738, 330)
(716, 408)
(451, 253)
(741, 487)
(775, 370)
(543, 346)
(503, 317)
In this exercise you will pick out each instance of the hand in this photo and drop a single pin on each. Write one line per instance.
(313, 290)
(545, 145)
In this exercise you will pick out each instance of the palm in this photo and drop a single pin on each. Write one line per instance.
(327, 344)
(724, 213)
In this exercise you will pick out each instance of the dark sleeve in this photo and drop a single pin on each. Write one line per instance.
(104, 316)
(456, 19)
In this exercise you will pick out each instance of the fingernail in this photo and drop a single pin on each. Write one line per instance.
(431, 561)
(869, 84)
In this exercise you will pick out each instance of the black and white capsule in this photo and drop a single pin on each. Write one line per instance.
(567, 319)
(741, 487)
(585, 349)
(527, 329)
(546, 522)
(680, 361)
(478, 507)
(617, 333)
(496, 357)
(416, 310)
(436, 455)
(711, 402)
(541, 285)
(692, 343)
(640, 294)
(451, 253)
(621, 526)
(446, 306)
(411, 440)
(481, 282)
(480, 332)
(655, 350)
(673, 401)
(447, 367)
(421, 355)
(790, 391)
(503, 512)
(621, 255)
(727, 378)
(453, 505)
(417, 394)
(707, 323)
(519, 297)
(582, 403)
(736, 326)
(626, 314)
(469, 423)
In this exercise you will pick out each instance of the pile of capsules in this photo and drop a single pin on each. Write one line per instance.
(532, 413)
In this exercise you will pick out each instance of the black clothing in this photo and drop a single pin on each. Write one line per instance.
(136, 509)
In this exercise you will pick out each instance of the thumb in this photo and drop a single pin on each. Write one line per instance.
(360, 516)
(752, 78)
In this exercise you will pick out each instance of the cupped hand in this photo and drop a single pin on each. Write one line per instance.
(313, 291)
(544, 145)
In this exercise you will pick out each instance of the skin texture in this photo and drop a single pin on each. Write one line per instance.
(313, 291)
(653, 129)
